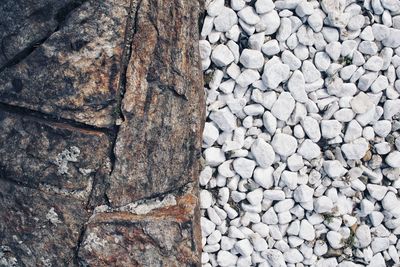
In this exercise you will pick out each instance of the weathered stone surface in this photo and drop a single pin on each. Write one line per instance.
(65, 58)
(169, 236)
(37, 153)
(158, 141)
(101, 110)
(38, 228)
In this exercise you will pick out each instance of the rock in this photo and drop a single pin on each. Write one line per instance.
(311, 128)
(306, 231)
(334, 168)
(264, 6)
(293, 256)
(379, 244)
(283, 144)
(330, 128)
(252, 59)
(264, 177)
(247, 77)
(249, 15)
(210, 134)
(377, 191)
(356, 149)
(296, 86)
(361, 103)
(263, 153)
(323, 204)
(269, 22)
(283, 106)
(363, 236)
(225, 258)
(303, 193)
(244, 167)
(225, 20)
(334, 239)
(225, 120)
(309, 150)
(270, 48)
(275, 72)
(393, 159)
(222, 56)
(214, 156)
(244, 247)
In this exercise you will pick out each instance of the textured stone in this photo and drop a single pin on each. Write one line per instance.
(100, 116)
(64, 60)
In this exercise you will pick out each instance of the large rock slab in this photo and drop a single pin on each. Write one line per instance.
(67, 62)
(167, 236)
(36, 153)
(38, 228)
(157, 145)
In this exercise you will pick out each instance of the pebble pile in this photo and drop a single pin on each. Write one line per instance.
(301, 144)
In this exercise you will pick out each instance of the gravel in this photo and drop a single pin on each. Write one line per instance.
(301, 144)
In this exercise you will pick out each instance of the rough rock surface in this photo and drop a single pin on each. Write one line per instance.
(101, 104)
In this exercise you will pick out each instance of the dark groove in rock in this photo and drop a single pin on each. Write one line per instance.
(53, 119)
(61, 16)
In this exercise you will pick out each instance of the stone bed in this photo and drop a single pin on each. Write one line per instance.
(301, 141)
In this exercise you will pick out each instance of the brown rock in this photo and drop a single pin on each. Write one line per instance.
(38, 228)
(158, 141)
(37, 153)
(169, 236)
(75, 188)
(73, 72)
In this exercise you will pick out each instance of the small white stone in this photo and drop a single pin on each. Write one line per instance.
(309, 150)
(252, 59)
(225, 120)
(264, 6)
(393, 159)
(320, 248)
(244, 247)
(205, 199)
(249, 15)
(333, 49)
(310, 72)
(274, 258)
(269, 22)
(311, 128)
(374, 63)
(247, 77)
(283, 144)
(270, 217)
(304, 9)
(225, 20)
(210, 133)
(244, 167)
(291, 60)
(207, 226)
(214, 156)
(306, 231)
(292, 256)
(334, 239)
(296, 86)
(285, 29)
(283, 106)
(379, 244)
(275, 72)
(363, 236)
(263, 153)
(330, 128)
(269, 122)
(322, 61)
(353, 131)
(382, 128)
(222, 56)
(356, 149)
(334, 168)
(215, 7)
(390, 108)
(289, 179)
(274, 194)
(225, 258)
(303, 193)
(295, 162)
(255, 196)
(270, 48)
(323, 204)
(361, 103)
